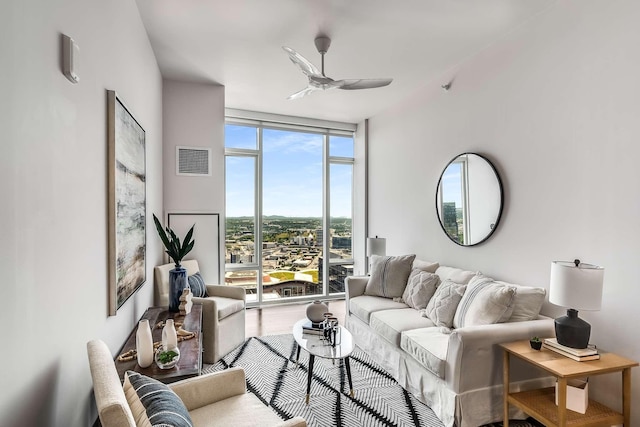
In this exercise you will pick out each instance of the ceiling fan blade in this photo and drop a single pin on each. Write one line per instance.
(305, 66)
(304, 92)
(352, 84)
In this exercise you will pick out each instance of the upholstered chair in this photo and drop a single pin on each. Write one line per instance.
(215, 399)
(223, 311)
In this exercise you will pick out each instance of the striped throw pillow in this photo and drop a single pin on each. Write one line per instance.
(389, 275)
(196, 283)
(154, 404)
(485, 302)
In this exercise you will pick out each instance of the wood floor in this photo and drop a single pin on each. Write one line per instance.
(275, 320)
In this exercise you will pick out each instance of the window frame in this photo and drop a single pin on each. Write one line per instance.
(341, 130)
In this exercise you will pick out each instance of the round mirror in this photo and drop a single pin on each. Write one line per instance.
(469, 199)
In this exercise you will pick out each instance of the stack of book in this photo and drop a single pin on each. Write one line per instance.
(312, 328)
(579, 354)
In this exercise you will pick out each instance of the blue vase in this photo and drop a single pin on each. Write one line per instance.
(177, 282)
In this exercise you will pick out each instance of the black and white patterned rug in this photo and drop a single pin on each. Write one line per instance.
(272, 375)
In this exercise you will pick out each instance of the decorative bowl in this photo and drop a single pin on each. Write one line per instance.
(167, 357)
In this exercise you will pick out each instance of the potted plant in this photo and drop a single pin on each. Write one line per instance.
(176, 251)
(536, 343)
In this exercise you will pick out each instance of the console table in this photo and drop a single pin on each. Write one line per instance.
(540, 404)
(190, 363)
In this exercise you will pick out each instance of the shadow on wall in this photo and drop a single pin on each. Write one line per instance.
(35, 406)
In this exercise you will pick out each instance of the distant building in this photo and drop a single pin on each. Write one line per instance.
(450, 220)
(300, 240)
(341, 242)
(337, 274)
(242, 258)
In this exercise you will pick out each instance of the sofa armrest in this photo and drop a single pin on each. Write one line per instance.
(474, 346)
(227, 291)
(354, 286)
(293, 422)
(206, 389)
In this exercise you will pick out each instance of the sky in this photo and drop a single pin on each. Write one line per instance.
(292, 173)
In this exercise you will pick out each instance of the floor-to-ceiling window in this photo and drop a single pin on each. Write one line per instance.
(289, 210)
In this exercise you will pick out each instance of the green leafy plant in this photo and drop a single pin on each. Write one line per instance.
(535, 339)
(174, 248)
(167, 356)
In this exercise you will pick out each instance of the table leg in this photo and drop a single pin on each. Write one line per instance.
(562, 402)
(297, 354)
(505, 388)
(347, 365)
(626, 396)
(310, 375)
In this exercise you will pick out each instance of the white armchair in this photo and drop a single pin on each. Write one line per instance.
(216, 399)
(223, 311)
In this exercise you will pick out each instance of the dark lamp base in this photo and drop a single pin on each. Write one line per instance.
(571, 331)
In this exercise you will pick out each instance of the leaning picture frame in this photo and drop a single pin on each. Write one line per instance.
(127, 203)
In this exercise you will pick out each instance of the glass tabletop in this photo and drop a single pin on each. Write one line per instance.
(318, 346)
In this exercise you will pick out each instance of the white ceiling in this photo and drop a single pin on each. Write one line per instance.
(238, 44)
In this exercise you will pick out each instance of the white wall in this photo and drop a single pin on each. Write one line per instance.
(194, 117)
(53, 192)
(555, 105)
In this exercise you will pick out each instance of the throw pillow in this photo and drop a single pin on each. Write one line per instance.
(196, 283)
(389, 275)
(442, 306)
(154, 403)
(485, 302)
(421, 286)
(455, 274)
(429, 266)
(527, 303)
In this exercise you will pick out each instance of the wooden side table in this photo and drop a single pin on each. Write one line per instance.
(540, 404)
(190, 363)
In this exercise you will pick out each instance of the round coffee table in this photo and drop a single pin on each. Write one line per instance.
(315, 345)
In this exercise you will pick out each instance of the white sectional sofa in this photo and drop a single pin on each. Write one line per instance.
(456, 371)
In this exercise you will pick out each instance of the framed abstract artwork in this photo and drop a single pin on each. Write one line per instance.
(127, 203)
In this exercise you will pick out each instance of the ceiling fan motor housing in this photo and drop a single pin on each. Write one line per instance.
(322, 44)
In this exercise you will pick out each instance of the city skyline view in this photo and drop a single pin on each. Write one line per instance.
(286, 167)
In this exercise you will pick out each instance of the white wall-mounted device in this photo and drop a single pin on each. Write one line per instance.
(70, 51)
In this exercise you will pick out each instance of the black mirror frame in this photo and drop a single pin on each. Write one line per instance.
(495, 171)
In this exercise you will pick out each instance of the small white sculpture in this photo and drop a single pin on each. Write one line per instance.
(185, 301)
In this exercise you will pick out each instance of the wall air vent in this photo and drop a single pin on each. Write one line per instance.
(193, 161)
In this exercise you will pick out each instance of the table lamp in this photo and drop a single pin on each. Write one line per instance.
(578, 286)
(376, 246)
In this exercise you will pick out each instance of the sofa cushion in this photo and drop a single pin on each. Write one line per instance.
(243, 410)
(527, 302)
(484, 302)
(389, 275)
(421, 286)
(428, 266)
(362, 306)
(442, 306)
(197, 285)
(455, 274)
(389, 324)
(154, 403)
(428, 346)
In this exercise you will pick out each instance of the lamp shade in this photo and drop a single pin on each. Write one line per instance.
(576, 285)
(376, 246)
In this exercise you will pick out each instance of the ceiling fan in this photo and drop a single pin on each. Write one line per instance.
(317, 78)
